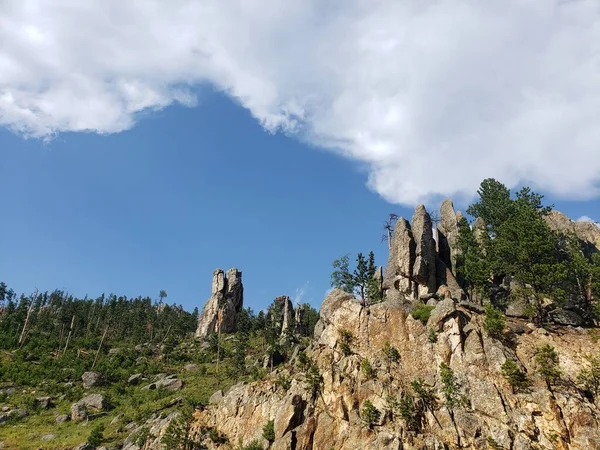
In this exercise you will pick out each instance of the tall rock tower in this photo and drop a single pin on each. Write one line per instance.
(224, 304)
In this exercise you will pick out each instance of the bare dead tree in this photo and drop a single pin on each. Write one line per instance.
(29, 312)
(388, 227)
(69, 335)
(99, 347)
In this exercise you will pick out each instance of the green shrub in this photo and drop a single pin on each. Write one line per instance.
(589, 378)
(425, 395)
(422, 312)
(346, 340)
(314, 379)
(366, 369)
(516, 378)
(369, 414)
(450, 386)
(269, 431)
(216, 436)
(494, 321)
(283, 382)
(391, 353)
(96, 436)
(254, 445)
(547, 362)
(409, 411)
(302, 360)
(432, 336)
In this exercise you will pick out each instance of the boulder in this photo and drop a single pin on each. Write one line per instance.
(43, 402)
(440, 313)
(62, 418)
(170, 383)
(566, 317)
(424, 272)
(84, 447)
(134, 379)
(94, 402)
(587, 232)
(224, 304)
(91, 379)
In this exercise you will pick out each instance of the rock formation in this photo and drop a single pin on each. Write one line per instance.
(488, 413)
(425, 253)
(417, 267)
(587, 232)
(224, 304)
(448, 235)
(285, 309)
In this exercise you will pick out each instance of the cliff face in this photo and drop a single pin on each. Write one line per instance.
(487, 413)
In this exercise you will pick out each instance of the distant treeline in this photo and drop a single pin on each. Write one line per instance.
(56, 321)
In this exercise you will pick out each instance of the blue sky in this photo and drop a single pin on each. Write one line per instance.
(185, 191)
(143, 144)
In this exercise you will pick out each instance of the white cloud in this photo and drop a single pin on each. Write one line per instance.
(301, 293)
(431, 96)
(588, 219)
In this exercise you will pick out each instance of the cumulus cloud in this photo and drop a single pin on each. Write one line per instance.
(301, 293)
(588, 219)
(430, 96)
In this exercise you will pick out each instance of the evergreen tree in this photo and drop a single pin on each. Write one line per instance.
(341, 278)
(361, 277)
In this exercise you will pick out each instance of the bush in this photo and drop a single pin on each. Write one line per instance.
(425, 395)
(409, 412)
(494, 321)
(254, 445)
(432, 336)
(589, 378)
(269, 431)
(217, 437)
(422, 312)
(516, 378)
(314, 379)
(283, 382)
(547, 361)
(369, 414)
(450, 386)
(391, 353)
(96, 436)
(366, 369)
(346, 338)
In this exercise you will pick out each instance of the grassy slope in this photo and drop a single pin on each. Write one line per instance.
(130, 402)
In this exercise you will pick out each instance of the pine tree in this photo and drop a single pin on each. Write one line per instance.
(341, 278)
(361, 277)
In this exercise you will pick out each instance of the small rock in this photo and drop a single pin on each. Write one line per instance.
(17, 413)
(134, 379)
(43, 402)
(91, 379)
(114, 351)
(116, 419)
(48, 437)
(84, 447)
(542, 331)
(190, 367)
(5, 409)
(62, 418)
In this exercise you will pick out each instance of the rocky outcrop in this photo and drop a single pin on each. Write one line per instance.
(425, 253)
(486, 413)
(587, 232)
(397, 278)
(224, 304)
(287, 316)
(418, 267)
(448, 236)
